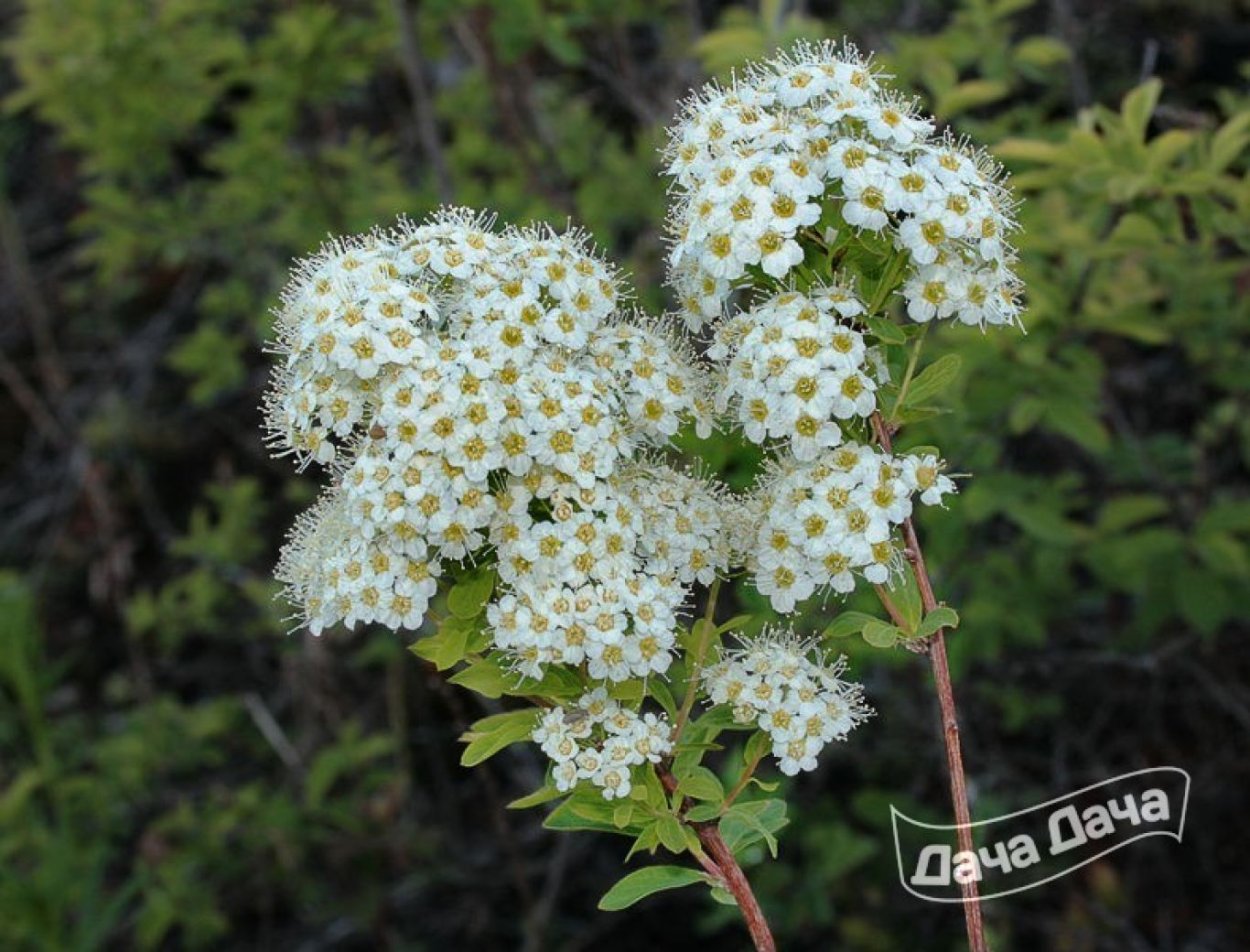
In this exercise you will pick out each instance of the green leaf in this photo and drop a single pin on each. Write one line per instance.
(910, 414)
(1029, 150)
(483, 676)
(885, 331)
(648, 840)
(1202, 598)
(660, 690)
(560, 43)
(1223, 554)
(590, 804)
(631, 690)
(1229, 141)
(847, 623)
(701, 784)
(1165, 149)
(213, 359)
(544, 794)
(722, 49)
(702, 628)
(703, 812)
(736, 622)
(969, 95)
(348, 758)
(556, 682)
(757, 747)
(1044, 523)
(1139, 106)
(492, 734)
(940, 617)
(933, 379)
(1135, 231)
(1227, 515)
(715, 718)
(468, 597)
(1076, 420)
(880, 634)
(20, 791)
(668, 828)
(448, 646)
(623, 814)
(489, 677)
(1040, 52)
(644, 882)
(1124, 512)
(656, 795)
(905, 593)
(747, 823)
(565, 817)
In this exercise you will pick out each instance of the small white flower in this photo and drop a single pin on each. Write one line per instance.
(786, 687)
(816, 524)
(812, 132)
(613, 740)
(793, 366)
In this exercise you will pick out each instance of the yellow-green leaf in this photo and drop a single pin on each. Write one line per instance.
(644, 882)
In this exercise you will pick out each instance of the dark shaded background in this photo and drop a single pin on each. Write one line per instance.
(176, 772)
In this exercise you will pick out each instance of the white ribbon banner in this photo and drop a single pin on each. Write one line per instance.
(1034, 846)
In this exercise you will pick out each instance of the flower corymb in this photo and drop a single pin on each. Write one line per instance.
(528, 472)
(474, 389)
(786, 686)
(807, 159)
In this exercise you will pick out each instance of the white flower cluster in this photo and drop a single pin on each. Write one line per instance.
(817, 524)
(601, 741)
(597, 575)
(809, 146)
(432, 364)
(801, 703)
(334, 573)
(500, 344)
(793, 366)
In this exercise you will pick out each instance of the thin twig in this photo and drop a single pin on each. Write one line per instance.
(518, 125)
(39, 315)
(696, 665)
(950, 721)
(271, 730)
(728, 872)
(747, 773)
(26, 397)
(910, 373)
(422, 102)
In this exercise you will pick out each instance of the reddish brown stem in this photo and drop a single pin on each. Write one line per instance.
(722, 865)
(950, 721)
(959, 788)
(736, 882)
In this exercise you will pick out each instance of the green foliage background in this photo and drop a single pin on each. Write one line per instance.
(177, 772)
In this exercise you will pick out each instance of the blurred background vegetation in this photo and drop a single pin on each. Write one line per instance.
(178, 772)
